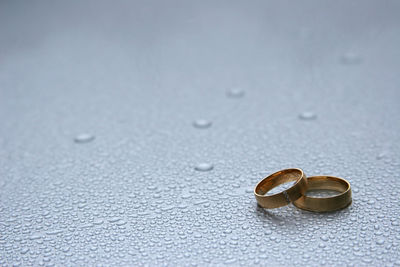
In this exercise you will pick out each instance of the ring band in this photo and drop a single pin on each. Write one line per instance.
(285, 197)
(323, 204)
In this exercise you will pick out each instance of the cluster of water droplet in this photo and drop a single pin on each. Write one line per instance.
(203, 124)
(146, 203)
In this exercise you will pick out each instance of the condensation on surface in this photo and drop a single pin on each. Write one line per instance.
(152, 188)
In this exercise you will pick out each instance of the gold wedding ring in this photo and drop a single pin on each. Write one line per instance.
(285, 197)
(323, 204)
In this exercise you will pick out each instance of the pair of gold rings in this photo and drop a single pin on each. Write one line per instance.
(297, 194)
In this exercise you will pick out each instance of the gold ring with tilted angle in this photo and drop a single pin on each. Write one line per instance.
(285, 197)
(323, 204)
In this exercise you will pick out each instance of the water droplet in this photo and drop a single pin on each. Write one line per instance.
(35, 236)
(307, 115)
(121, 222)
(114, 219)
(268, 232)
(54, 232)
(98, 221)
(84, 138)
(249, 190)
(324, 238)
(235, 93)
(202, 124)
(204, 167)
(381, 155)
(367, 260)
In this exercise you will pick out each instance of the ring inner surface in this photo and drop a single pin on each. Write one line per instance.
(276, 179)
(334, 184)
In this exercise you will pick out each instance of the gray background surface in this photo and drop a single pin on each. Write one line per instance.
(136, 75)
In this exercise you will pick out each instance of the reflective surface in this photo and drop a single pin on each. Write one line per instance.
(134, 133)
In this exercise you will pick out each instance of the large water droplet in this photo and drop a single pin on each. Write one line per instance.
(202, 124)
(307, 115)
(84, 138)
(203, 167)
(235, 93)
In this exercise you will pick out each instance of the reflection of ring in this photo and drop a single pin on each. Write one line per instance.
(285, 197)
(321, 204)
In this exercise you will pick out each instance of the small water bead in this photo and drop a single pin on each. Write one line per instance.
(186, 196)
(268, 232)
(203, 167)
(84, 138)
(367, 260)
(263, 256)
(121, 222)
(54, 232)
(235, 93)
(381, 155)
(202, 124)
(249, 190)
(35, 237)
(324, 238)
(307, 115)
(114, 219)
(98, 221)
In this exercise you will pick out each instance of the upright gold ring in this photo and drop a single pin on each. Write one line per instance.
(319, 204)
(285, 197)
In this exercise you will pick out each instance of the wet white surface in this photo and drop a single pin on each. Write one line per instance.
(310, 85)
